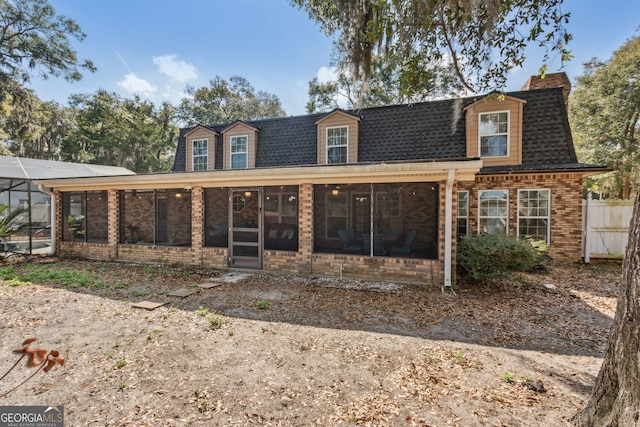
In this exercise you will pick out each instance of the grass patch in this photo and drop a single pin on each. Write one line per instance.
(263, 304)
(62, 277)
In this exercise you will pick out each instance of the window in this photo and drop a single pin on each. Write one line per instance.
(493, 212)
(200, 154)
(462, 226)
(281, 208)
(238, 203)
(337, 139)
(337, 210)
(239, 151)
(533, 214)
(388, 205)
(494, 134)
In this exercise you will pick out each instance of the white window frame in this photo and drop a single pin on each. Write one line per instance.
(237, 153)
(547, 217)
(465, 217)
(481, 217)
(507, 133)
(346, 144)
(205, 155)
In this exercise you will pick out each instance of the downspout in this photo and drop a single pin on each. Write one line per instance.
(448, 218)
(51, 194)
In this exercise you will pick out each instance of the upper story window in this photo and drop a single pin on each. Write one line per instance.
(494, 134)
(239, 152)
(200, 153)
(337, 142)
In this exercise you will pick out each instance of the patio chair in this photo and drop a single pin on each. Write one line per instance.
(405, 248)
(349, 242)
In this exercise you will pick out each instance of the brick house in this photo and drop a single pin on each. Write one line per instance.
(377, 192)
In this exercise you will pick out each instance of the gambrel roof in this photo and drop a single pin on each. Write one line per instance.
(421, 131)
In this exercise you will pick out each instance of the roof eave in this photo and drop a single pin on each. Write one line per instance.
(356, 174)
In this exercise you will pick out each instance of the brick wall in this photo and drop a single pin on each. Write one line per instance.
(566, 207)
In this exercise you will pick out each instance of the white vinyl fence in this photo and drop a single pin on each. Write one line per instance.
(605, 228)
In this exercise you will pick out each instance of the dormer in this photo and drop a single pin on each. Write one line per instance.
(240, 143)
(200, 149)
(494, 129)
(338, 138)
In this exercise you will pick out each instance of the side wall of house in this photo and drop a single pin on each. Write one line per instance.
(566, 207)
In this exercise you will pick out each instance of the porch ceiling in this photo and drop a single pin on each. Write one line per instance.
(356, 174)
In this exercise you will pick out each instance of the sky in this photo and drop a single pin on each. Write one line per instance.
(156, 48)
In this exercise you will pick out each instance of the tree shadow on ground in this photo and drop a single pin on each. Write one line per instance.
(572, 318)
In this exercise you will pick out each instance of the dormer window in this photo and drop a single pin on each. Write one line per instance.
(494, 134)
(200, 153)
(239, 152)
(337, 143)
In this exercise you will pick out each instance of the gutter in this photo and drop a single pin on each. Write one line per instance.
(51, 194)
(448, 218)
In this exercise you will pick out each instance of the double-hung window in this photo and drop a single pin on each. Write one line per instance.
(494, 134)
(534, 214)
(200, 154)
(239, 152)
(336, 212)
(337, 142)
(462, 226)
(493, 212)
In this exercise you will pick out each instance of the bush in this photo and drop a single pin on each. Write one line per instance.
(489, 257)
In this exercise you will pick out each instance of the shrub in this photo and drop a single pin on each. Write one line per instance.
(489, 257)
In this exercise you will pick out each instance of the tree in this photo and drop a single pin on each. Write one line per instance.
(113, 131)
(226, 102)
(33, 38)
(615, 399)
(480, 40)
(605, 117)
(33, 128)
(384, 86)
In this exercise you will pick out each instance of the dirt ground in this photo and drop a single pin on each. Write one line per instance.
(285, 350)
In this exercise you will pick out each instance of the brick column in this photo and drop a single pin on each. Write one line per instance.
(305, 226)
(58, 220)
(113, 222)
(197, 223)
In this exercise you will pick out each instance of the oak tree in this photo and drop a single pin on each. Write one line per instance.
(34, 39)
(604, 111)
(480, 39)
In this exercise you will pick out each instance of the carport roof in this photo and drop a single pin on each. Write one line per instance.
(29, 169)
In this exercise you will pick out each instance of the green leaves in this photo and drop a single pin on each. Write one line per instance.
(33, 38)
(605, 117)
(479, 41)
(226, 102)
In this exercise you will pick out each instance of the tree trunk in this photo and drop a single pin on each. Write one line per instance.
(615, 399)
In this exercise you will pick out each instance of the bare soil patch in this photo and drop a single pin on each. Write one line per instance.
(282, 349)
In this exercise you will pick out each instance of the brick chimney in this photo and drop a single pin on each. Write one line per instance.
(550, 80)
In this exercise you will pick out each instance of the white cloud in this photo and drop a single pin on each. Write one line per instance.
(326, 74)
(136, 85)
(176, 69)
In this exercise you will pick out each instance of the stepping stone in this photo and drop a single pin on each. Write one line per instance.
(232, 277)
(184, 292)
(209, 285)
(148, 305)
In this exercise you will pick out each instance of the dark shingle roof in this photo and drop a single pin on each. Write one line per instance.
(422, 131)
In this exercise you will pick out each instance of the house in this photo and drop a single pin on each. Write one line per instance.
(377, 192)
